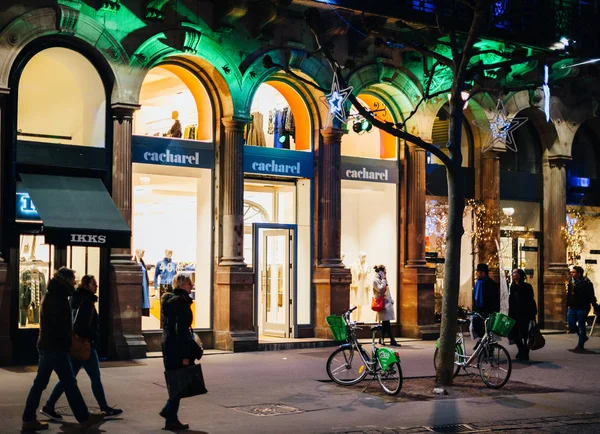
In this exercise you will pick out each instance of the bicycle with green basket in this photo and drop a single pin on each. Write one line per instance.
(351, 363)
(493, 360)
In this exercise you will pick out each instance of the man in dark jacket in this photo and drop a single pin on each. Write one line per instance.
(486, 298)
(580, 296)
(53, 345)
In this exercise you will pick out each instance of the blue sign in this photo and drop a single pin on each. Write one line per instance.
(278, 162)
(369, 169)
(25, 208)
(167, 151)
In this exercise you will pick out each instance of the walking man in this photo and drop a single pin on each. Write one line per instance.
(53, 345)
(580, 296)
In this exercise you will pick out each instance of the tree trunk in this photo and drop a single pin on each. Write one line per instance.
(456, 206)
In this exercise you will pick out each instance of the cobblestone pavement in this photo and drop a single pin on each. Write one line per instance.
(581, 423)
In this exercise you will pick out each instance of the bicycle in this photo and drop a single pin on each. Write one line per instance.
(350, 363)
(493, 360)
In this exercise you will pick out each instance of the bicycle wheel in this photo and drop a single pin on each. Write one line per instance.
(456, 359)
(390, 380)
(494, 366)
(346, 367)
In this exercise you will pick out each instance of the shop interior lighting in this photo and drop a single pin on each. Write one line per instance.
(508, 211)
(465, 96)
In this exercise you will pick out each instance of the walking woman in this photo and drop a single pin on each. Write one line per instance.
(381, 289)
(85, 325)
(177, 340)
(521, 308)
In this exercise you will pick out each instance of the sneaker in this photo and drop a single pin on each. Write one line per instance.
(51, 413)
(34, 425)
(174, 426)
(111, 412)
(578, 349)
(92, 420)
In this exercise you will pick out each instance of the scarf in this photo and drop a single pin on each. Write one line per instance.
(479, 292)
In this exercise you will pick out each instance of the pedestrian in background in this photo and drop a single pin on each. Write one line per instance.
(521, 308)
(86, 325)
(177, 341)
(580, 296)
(486, 298)
(382, 289)
(53, 345)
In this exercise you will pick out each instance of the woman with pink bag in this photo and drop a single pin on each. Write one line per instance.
(381, 289)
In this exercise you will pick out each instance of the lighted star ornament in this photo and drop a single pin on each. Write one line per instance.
(500, 129)
(336, 99)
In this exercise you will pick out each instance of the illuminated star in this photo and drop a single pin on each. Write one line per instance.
(336, 99)
(500, 129)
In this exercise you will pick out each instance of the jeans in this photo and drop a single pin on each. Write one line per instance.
(59, 362)
(170, 409)
(578, 317)
(92, 367)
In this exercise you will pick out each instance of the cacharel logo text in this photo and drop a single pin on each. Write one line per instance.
(93, 239)
(168, 157)
(273, 167)
(367, 174)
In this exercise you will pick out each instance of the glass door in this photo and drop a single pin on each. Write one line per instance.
(274, 262)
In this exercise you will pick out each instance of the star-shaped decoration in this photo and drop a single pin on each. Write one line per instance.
(336, 99)
(500, 129)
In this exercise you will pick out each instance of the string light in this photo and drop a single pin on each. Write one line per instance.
(487, 221)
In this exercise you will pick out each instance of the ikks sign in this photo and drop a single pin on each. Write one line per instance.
(278, 162)
(172, 152)
(371, 170)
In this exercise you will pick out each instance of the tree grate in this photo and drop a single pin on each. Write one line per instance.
(452, 428)
(268, 409)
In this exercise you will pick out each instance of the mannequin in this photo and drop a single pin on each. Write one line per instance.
(32, 287)
(139, 256)
(175, 130)
(165, 270)
(360, 287)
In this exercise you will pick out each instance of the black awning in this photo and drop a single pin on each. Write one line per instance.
(77, 211)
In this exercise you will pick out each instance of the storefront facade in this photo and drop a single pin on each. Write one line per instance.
(158, 147)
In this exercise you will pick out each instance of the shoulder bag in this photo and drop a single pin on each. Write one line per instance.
(185, 382)
(378, 303)
(81, 347)
(536, 340)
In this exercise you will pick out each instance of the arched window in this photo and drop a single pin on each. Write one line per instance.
(586, 151)
(528, 157)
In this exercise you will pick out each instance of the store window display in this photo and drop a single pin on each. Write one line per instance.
(139, 256)
(360, 288)
(279, 130)
(33, 278)
(164, 272)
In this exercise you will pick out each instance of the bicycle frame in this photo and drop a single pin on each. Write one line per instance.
(465, 360)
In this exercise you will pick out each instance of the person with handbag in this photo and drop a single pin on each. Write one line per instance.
(580, 296)
(178, 346)
(521, 308)
(53, 345)
(382, 290)
(86, 326)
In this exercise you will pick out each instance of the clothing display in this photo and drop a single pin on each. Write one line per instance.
(282, 126)
(190, 132)
(175, 130)
(360, 288)
(256, 135)
(32, 287)
(165, 271)
(145, 293)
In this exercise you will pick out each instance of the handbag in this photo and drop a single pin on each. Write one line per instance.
(536, 339)
(81, 348)
(378, 304)
(185, 382)
(197, 347)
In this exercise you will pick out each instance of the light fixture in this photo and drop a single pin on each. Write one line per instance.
(361, 125)
(508, 211)
(465, 97)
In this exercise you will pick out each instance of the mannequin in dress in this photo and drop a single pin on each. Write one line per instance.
(139, 256)
(360, 288)
(176, 130)
(165, 271)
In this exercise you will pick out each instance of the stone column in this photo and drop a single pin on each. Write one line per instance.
(417, 302)
(556, 271)
(5, 287)
(330, 278)
(125, 324)
(487, 252)
(234, 296)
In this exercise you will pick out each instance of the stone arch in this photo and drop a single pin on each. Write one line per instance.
(66, 22)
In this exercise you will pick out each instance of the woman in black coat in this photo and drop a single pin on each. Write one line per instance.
(522, 308)
(177, 341)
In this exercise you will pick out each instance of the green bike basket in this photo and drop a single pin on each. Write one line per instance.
(500, 324)
(337, 325)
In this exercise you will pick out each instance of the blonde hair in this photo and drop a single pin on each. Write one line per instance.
(181, 278)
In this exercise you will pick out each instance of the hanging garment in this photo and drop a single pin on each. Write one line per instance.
(191, 135)
(289, 124)
(280, 139)
(256, 134)
(145, 293)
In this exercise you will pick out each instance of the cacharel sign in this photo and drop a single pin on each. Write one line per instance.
(369, 169)
(278, 162)
(172, 152)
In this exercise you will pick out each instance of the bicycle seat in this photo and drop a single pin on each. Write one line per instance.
(376, 328)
